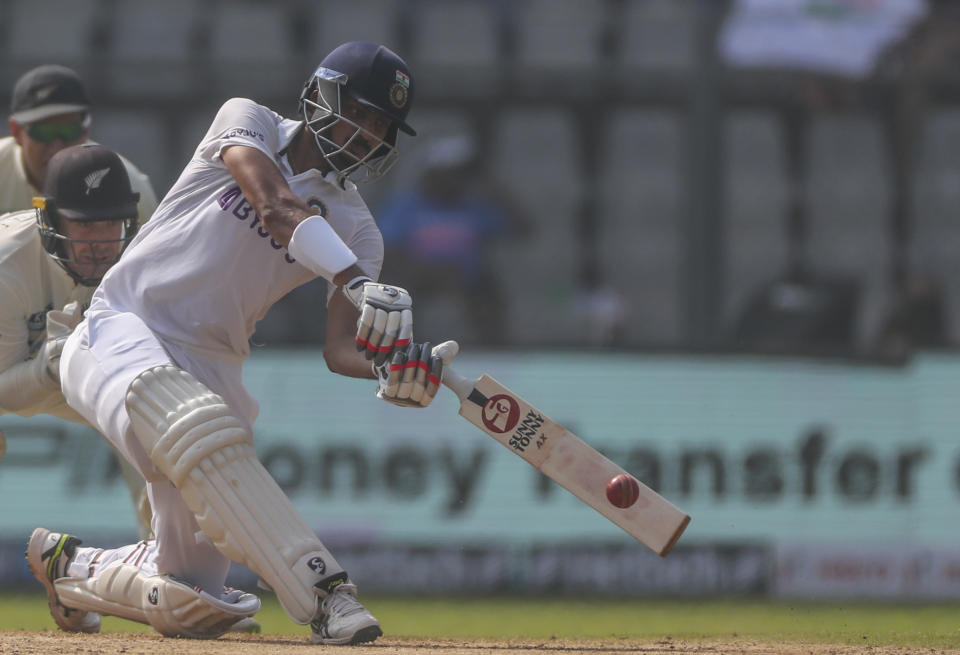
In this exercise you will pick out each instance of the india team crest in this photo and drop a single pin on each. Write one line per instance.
(398, 95)
(317, 205)
(400, 90)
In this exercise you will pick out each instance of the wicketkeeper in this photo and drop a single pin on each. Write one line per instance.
(49, 111)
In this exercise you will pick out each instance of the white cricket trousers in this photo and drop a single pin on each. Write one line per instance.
(100, 360)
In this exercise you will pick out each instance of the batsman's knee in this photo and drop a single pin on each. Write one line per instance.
(179, 421)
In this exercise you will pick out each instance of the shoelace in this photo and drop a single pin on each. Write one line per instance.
(342, 602)
(57, 567)
(231, 595)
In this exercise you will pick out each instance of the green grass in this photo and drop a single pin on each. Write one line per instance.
(927, 625)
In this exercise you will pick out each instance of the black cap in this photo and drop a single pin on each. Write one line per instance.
(376, 77)
(90, 183)
(46, 91)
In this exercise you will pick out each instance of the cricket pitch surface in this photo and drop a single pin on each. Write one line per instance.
(44, 643)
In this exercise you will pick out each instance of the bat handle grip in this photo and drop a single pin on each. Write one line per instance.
(453, 380)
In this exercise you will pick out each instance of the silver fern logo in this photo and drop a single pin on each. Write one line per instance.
(94, 179)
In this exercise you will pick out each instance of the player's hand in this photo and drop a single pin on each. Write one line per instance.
(60, 323)
(412, 377)
(386, 318)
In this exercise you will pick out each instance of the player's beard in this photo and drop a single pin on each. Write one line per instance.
(342, 162)
(354, 153)
(92, 267)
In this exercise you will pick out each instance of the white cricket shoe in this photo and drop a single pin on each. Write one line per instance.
(48, 555)
(344, 620)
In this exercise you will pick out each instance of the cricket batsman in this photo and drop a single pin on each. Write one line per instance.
(264, 205)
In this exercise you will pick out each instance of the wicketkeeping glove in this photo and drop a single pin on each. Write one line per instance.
(412, 377)
(386, 317)
(60, 323)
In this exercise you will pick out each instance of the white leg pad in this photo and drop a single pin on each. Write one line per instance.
(173, 608)
(193, 436)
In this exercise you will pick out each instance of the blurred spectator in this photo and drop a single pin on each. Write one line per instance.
(917, 319)
(49, 111)
(602, 311)
(833, 37)
(438, 236)
(807, 316)
(804, 56)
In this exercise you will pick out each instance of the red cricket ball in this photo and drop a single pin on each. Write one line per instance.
(623, 490)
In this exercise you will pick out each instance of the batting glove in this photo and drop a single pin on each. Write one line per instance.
(386, 317)
(412, 378)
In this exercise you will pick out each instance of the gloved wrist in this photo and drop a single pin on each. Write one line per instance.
(354, 290)
(386, 317)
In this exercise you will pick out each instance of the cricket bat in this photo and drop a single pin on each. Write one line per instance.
(562, 456)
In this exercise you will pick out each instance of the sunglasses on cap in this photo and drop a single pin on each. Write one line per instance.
(50, 132)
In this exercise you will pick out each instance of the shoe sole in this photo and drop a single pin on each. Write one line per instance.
(35, 551)
(248, 625)
(361, 636)
(367, 634)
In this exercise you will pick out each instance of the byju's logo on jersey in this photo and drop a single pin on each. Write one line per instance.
(234, 204)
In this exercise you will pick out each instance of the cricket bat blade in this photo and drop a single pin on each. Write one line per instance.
(561, 455)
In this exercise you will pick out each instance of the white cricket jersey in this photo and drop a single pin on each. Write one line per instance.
(31, 284)
(16, 192)
(203, 271)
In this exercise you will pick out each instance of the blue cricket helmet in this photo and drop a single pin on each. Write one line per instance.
(375, 77)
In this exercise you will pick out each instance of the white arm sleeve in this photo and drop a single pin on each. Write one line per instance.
(367, 244)
(318, 247)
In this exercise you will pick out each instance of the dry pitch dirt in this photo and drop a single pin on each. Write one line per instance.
(48, 643)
